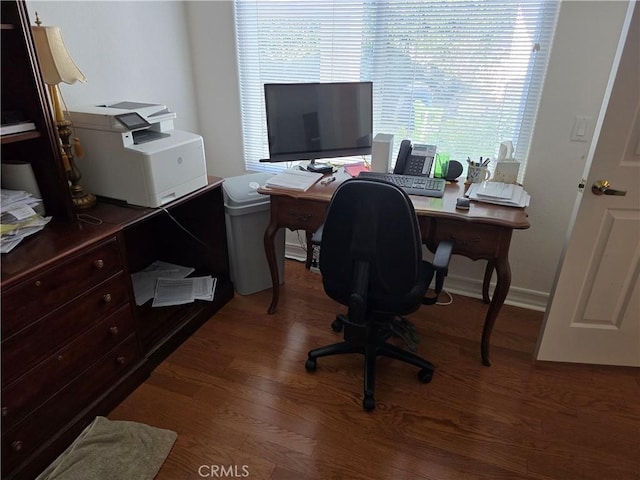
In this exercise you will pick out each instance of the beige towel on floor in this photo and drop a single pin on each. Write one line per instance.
(113, 450)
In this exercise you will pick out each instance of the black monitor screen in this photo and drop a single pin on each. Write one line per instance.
(306, 121)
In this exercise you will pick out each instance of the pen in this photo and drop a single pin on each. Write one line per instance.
(328, 181)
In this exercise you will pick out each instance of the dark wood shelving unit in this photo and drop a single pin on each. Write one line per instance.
(74, 343)
(23, 90)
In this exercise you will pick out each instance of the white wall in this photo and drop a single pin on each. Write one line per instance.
(140, 51)
(128, 51)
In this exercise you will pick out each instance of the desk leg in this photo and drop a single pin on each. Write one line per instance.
(488, 272)
(270, 252)
(503, 273)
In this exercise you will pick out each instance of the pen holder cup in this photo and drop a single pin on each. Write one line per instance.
(476, 174)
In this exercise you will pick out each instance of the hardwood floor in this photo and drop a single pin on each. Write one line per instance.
(243, 405)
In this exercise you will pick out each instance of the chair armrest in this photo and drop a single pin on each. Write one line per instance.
(442, 256)
(316, 239)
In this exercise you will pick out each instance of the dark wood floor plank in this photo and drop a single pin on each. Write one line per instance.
(238, 395)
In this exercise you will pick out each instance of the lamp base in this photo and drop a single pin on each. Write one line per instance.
(81, 199)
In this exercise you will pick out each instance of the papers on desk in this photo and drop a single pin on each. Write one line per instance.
(18, 218)
(167, 284)
(498, 193)
(294, 179)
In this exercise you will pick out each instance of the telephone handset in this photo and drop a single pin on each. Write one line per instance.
(414, 159)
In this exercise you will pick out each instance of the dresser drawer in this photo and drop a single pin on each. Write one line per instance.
(34, 388)
(25, 437)
(51, 288)
(25, 349)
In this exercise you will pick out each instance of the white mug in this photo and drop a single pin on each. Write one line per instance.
(477, 174)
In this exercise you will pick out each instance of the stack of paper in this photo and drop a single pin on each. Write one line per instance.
(18, 127)
(294, 179)
(499, 193)
(167, 284)
(177, 291)
(18, 218)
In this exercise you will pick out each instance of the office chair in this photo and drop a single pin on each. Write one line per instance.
(371, 262)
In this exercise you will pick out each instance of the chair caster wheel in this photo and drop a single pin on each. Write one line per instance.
(310, 365)
(337, 325)
(425, 375)
(368, 403)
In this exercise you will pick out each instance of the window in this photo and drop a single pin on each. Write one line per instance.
(462, 75)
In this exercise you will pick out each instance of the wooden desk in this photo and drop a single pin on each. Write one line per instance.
(481, 233)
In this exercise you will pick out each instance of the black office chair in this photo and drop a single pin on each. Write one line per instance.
(371, 261)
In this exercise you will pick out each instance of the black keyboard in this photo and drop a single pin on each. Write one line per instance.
(411, 184)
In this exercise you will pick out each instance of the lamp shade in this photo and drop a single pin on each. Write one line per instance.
(55, 62)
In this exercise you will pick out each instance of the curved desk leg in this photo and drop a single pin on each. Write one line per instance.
(488, 272)
(503, 272)
(270, 252)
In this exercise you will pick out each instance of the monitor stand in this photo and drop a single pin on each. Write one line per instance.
(319, 168)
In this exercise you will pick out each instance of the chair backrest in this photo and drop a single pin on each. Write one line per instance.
(371, 222)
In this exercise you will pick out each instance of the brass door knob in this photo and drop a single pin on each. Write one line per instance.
(602, 187)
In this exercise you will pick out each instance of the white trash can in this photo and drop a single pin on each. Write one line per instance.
(247, 214)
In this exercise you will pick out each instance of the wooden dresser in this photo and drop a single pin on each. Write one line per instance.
(68, 334)
(73, 342)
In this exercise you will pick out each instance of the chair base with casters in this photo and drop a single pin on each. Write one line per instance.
(370, 340)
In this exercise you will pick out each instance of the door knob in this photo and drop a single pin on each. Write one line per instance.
(601, 187)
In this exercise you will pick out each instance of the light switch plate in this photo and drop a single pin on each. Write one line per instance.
(582, 129)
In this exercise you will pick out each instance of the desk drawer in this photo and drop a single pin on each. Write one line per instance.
(298, 214)
(29, 434)
(23, 350)
(475, 241)
(56, 286)
(34, 388)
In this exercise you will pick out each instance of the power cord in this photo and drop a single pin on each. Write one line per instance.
(90, 219)
(448, 302)
(183, 228)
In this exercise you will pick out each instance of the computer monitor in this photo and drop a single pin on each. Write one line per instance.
(309, 121)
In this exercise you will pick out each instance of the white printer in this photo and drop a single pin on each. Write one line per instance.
(133, 153)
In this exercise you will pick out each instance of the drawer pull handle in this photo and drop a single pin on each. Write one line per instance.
(98, 264)
(38, 283)
(5, 411)
(304, 217)
(16, 446)
(113, 331)
(107, 297)
(121, 360)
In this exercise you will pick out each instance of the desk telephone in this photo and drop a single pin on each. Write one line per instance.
(414, 159)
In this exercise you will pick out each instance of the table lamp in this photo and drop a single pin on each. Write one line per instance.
(57, 66)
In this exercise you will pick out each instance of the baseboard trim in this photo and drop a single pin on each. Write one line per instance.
(294, 251)
(517, 297)
(469, 287)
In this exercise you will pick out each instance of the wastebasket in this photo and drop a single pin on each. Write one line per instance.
(247, 215)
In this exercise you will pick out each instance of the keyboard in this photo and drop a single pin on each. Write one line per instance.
(411, 184)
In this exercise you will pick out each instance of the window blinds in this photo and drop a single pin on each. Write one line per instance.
(462, 75)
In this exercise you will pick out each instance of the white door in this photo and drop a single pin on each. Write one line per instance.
(594, 312)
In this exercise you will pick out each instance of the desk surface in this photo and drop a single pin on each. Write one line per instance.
(445, 207)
